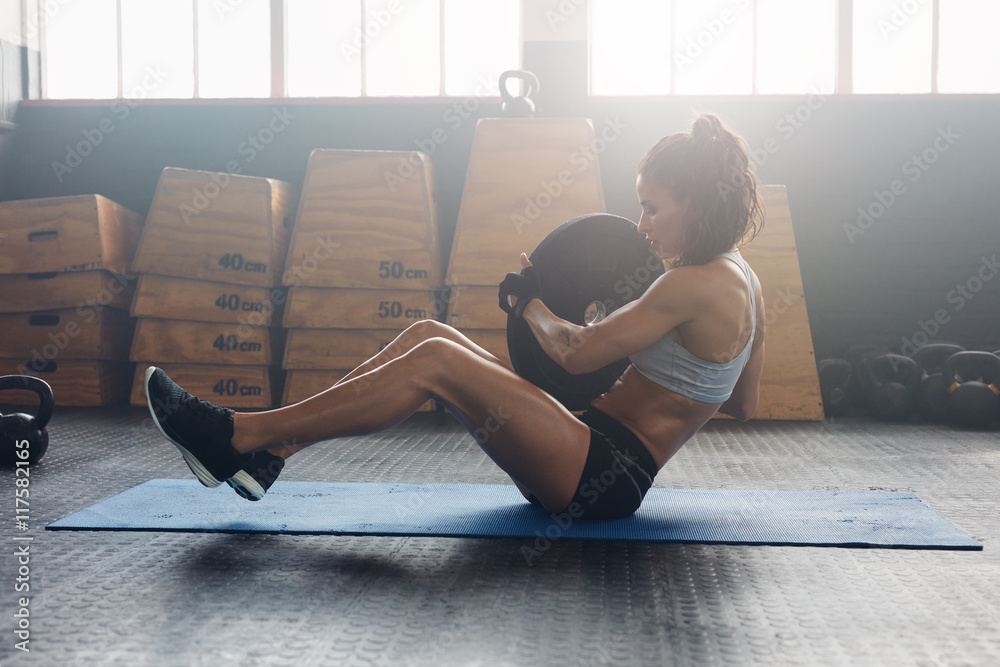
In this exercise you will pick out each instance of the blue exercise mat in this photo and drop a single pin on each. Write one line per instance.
(813, 518)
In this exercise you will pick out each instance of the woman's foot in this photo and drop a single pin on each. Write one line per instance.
(202, 431)
(253, 481)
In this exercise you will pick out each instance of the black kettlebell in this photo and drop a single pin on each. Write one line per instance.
(931, 395)
(859, 389)
(517, 106)
(892, 377)
(972, 379)
(834, 386)
(23, 437)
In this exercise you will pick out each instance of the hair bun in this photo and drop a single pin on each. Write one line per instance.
(707, 127)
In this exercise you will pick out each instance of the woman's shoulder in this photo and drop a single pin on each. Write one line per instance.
(718, 280)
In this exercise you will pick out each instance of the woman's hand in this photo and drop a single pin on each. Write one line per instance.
(519, 288)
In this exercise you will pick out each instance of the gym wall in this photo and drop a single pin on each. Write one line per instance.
(918, 265)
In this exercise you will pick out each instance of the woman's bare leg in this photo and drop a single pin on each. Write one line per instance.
(529, 434)
(403, 343)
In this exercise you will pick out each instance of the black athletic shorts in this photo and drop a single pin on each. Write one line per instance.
(618, 472)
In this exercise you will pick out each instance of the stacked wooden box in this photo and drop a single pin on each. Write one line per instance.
(209, 297)
(526, 176)
(364, 263)
(65, 294)
(789, 384)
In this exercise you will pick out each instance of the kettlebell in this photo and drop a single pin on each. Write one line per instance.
(518, 106)
(834, 386)
(931, 395)
(23, 437)
(892, 378)
(858, 386)
(972, 379)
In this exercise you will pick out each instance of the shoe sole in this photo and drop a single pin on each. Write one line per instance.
(200, 471)
(246, 486)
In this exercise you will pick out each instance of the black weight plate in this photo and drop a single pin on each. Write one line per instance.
(597, 257)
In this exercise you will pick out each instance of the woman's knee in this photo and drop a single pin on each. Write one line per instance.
(427, 329)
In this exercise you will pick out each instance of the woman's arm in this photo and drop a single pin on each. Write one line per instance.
(670, 301)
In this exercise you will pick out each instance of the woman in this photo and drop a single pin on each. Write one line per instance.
(692, 338)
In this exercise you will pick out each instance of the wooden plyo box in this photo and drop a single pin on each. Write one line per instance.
(218, 226)
(333, 308)
(789, 386)
(79, 233)
(366, 219)
(303, 384)
(76, 383)
(229, 386)
(476, 307)
(67, 334)
(205, 301)
(183, 342)
(82, 290)
(332, 349)
(526, 176)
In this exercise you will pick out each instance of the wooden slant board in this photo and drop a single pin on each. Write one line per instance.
(56, 335)
(82, 290)
(332, 349)
(79, 233)
(206, 301)
(84, 383)
(228, 386)
(789, 387)
(476, 307)
(334, 308)
(526, 176)
(366, 219)
(221, 227)
(182, 342)
(303, 384)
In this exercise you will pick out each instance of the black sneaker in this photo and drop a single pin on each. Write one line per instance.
(255, 479)
(202, 431)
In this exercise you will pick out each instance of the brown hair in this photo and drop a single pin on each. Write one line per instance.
(710, 164)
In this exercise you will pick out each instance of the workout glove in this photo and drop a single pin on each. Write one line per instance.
(525, 286)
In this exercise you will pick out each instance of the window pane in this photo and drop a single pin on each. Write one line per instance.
(714, 46)
(157, 49)
(234, 49)
(403, 47)
(796, 46)
(324, 48)
(480, 42)
(81, 50)
(892, 46)
(630, 56)
(969, 56)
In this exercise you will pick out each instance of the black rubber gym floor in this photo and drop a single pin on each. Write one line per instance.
(119, 598)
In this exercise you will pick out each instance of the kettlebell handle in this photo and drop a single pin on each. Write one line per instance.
(524, 75)
(957, 365)
(40, 387)
(890, 367)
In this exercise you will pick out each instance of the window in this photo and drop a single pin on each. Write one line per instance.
(697, 47)
(223, 48)
(969, 56)
(157, 49)
(704, 47)
(892, 47)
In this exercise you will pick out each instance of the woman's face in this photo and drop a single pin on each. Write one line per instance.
(662, 218)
